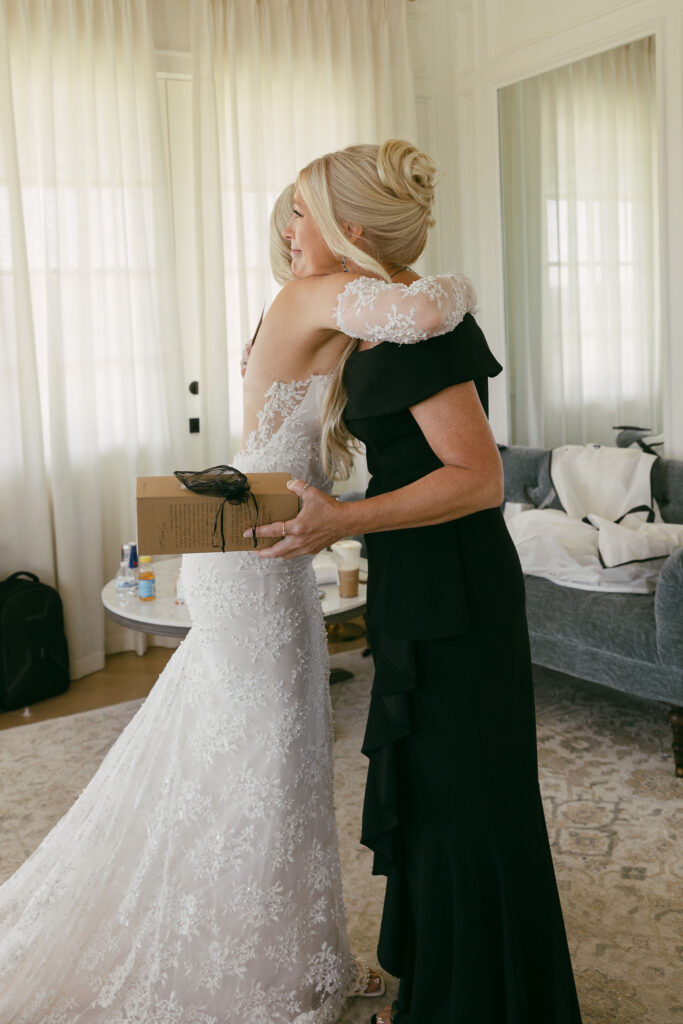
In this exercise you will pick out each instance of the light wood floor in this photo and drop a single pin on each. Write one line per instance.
(125, 677)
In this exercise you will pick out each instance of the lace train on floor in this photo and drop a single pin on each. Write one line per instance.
(196, 880)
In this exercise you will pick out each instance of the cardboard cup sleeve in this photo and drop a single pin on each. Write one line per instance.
(347, 555)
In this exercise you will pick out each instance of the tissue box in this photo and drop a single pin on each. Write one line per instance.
(173, 520)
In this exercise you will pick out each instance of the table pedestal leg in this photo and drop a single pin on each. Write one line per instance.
(340, 675)
(339, 632)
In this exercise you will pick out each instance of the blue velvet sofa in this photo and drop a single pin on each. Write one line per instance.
(631, 642)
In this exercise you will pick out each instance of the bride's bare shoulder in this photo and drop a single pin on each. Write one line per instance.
(309, 305)
(307, 289)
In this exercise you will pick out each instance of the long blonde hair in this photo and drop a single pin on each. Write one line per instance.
(338, 443)
(387, 190)
(280, 253)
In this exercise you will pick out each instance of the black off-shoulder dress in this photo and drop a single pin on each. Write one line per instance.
(472, 922)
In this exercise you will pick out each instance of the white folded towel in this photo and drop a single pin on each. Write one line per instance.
(632, 540)
(599, 480)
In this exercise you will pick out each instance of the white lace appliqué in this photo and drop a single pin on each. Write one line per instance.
(374, 310)
(288, 433)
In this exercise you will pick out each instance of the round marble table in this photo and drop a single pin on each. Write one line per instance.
(163, 617)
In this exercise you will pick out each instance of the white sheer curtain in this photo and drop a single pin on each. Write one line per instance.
(89, 350)
(275, 84)
(579, 179)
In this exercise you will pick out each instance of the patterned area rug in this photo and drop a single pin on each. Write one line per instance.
(614, 813)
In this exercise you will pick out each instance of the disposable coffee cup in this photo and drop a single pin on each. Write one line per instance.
(348, 582)
(347, 556)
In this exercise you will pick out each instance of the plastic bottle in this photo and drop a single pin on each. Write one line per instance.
(133, 557)
(125, 581)
(146, 579)
(179, 592)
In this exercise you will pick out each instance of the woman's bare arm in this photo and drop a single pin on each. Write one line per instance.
(303, 331)
(375, 310)
(471, 479)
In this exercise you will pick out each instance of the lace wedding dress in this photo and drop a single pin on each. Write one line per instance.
(196, 879)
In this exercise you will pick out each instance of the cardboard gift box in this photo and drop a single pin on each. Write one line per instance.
(173, 520)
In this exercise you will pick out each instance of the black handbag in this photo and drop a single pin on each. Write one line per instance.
(34, 657)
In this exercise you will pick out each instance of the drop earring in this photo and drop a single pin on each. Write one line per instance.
(344, 267)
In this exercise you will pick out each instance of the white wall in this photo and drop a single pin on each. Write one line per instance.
(473, 48)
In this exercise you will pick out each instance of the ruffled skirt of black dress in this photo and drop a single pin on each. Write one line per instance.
(472, 923)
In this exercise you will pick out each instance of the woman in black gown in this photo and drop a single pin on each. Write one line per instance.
(472, 923)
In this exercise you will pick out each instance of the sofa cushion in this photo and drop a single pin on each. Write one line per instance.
(622, 624)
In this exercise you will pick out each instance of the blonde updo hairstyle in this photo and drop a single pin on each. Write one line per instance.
(388, 190)
(280, 253)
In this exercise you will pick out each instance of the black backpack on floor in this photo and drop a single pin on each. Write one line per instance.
(34, 658)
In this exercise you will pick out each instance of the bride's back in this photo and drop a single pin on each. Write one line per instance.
(285, 383)
(287, 349)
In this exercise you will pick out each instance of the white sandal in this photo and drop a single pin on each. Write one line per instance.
(364, 977)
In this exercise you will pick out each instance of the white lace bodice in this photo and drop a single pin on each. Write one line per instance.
(375, 310)
(287, 438)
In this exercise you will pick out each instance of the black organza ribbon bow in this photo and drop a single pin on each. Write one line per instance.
(224, 482)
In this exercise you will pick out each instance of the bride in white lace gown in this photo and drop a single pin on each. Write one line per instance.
(196, 880)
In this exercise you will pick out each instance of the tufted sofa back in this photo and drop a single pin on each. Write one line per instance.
(527, 479)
